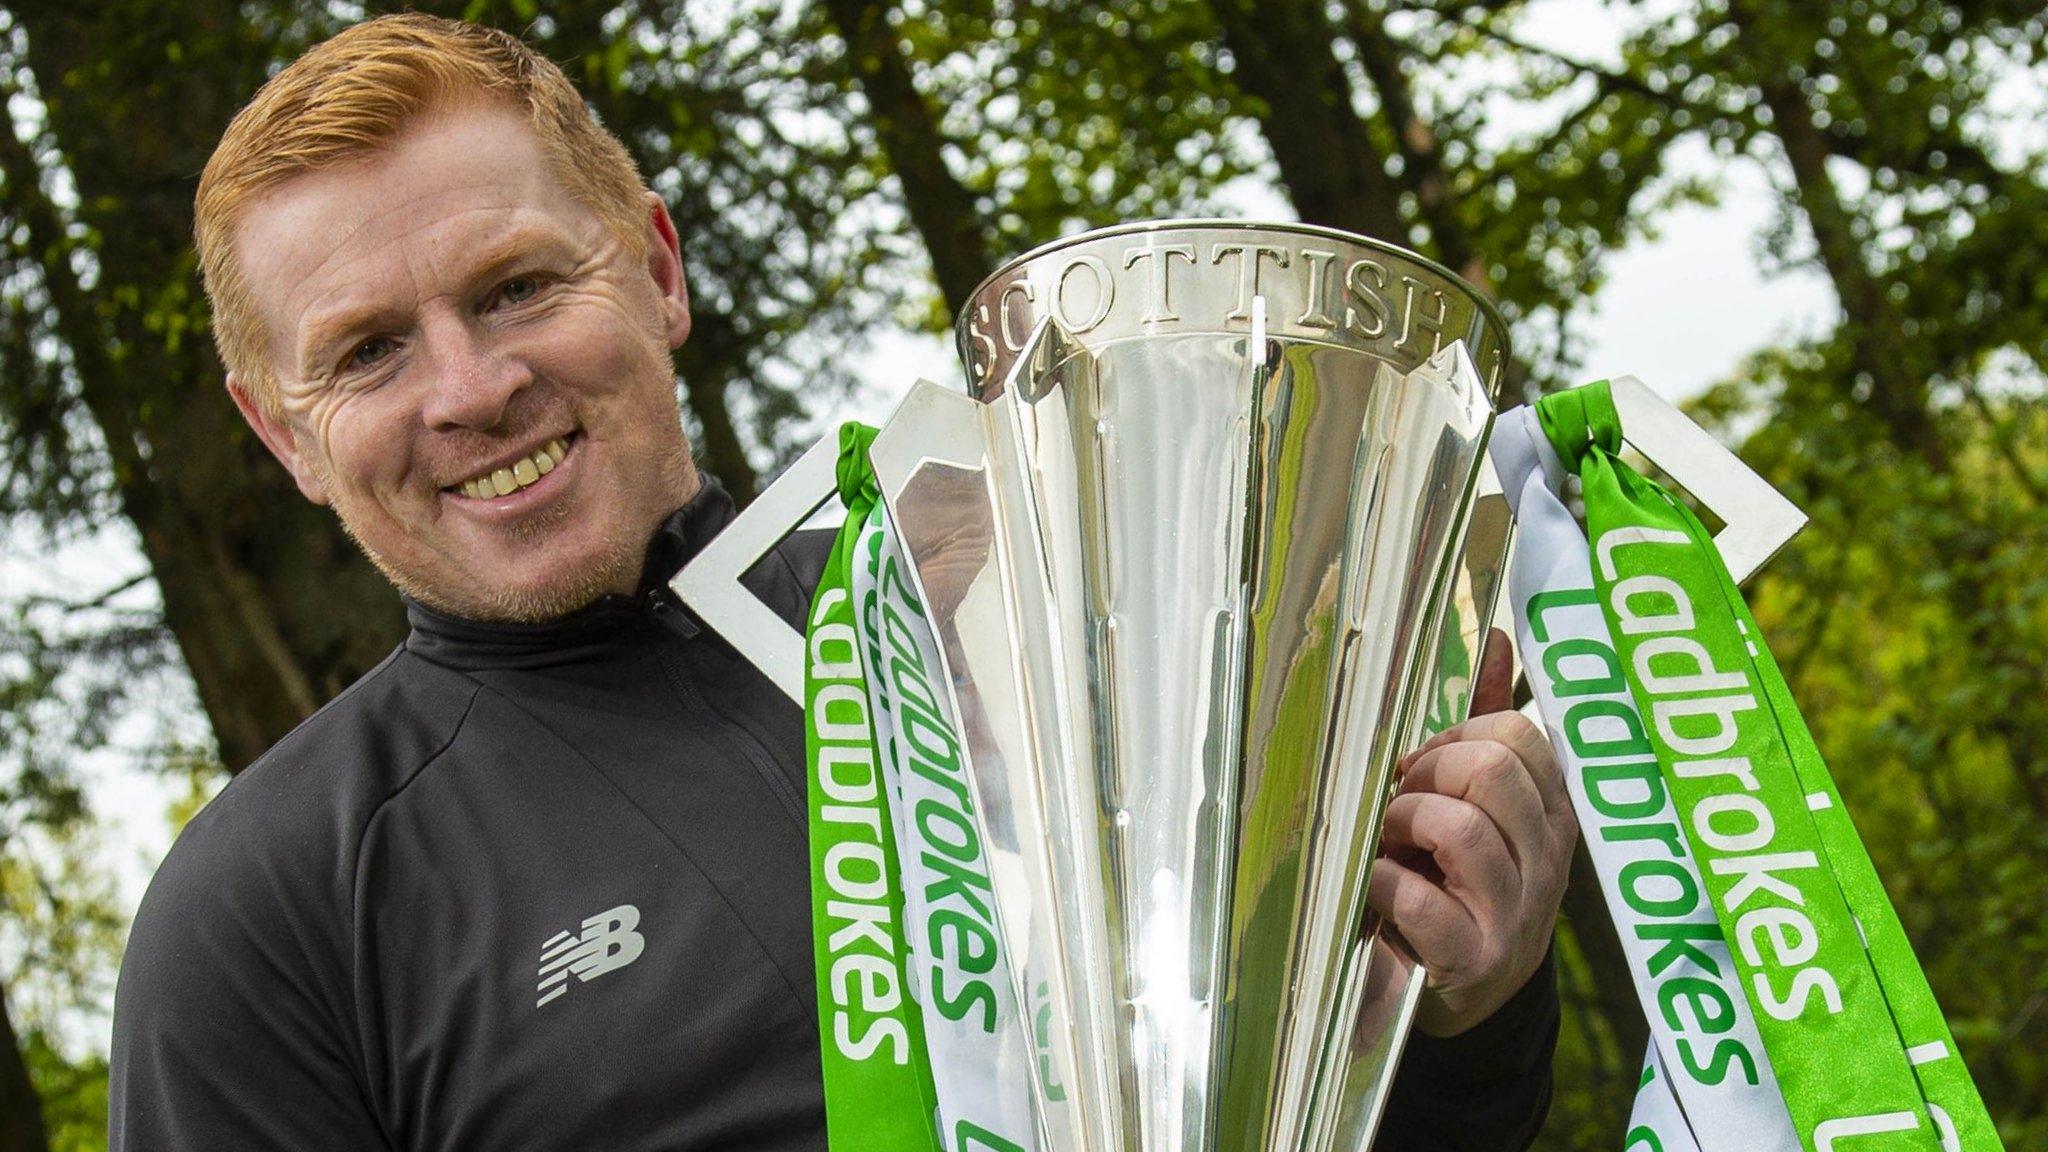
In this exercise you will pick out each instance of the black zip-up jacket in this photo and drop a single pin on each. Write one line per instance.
(546, 887)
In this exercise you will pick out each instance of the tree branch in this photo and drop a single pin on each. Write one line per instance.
(941, 208)
(1422, 169)
(77, 317)
(1608, 80)
(1335, 175)
(2002, 439)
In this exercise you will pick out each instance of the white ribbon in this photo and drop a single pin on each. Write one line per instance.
(1655, 1123)
(979, 1046)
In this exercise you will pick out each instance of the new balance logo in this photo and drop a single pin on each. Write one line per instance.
(606, 942)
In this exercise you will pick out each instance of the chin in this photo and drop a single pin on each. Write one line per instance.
(537, 605)
(584, 549)
(513, 604)
(579, 577)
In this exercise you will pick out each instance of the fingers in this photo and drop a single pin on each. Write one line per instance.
(1494, 690)
(1465, 845)
(1441, 931)
(1488, 774)
(1521, 738)
(1480, 839)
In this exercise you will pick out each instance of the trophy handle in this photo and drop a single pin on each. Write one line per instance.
(1757, 519)
(710, 585)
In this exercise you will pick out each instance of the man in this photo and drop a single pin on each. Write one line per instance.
(539, 879)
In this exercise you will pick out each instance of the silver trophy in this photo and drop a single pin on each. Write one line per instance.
(1206, 547)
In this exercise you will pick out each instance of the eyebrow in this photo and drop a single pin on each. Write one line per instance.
(489, 261)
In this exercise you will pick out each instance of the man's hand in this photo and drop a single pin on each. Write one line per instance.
(1474, 854)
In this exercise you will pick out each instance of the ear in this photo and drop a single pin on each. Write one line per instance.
(665, 265)
(277, 435)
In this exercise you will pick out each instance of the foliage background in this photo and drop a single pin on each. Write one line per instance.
(845, 169)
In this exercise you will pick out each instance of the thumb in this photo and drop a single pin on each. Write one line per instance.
(1495, 691)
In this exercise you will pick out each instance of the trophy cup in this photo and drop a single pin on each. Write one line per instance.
(1204, 548)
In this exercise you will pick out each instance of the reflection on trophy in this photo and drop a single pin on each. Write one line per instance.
(1198, 553)
(1231, 471)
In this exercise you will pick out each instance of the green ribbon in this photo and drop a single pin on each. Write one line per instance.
(1862, 1053)
(878, 1082)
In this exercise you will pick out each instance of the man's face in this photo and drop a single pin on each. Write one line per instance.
(471, 367)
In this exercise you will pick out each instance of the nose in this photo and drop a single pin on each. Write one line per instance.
(471, 381)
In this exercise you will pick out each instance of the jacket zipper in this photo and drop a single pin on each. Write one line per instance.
(670, 615)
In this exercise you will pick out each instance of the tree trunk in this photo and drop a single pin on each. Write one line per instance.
(1898, 394)
(1286, 59)
(1899, 397)
(273, 609)
(21, 1109)
(941, 208)
(1423, 172)
(706, 362)
(1422, 163)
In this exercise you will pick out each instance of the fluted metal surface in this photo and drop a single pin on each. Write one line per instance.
(1194, 551)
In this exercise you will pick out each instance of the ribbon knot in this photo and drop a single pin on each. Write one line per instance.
(856, 476)
(1578, 420)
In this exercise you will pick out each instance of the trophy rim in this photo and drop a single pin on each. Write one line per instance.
(1485, 304)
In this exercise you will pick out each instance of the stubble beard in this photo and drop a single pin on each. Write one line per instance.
(617, 566)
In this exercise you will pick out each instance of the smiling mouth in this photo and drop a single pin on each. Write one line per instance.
(519, 474)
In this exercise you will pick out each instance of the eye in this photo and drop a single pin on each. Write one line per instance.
(371, 351)
(519, 290)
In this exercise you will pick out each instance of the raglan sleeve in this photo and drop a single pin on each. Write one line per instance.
(1483, 1090)
(230, 1027)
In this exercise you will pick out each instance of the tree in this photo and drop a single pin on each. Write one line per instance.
(21, 1107)
(66, 670)
(273, 610)
(942, 210)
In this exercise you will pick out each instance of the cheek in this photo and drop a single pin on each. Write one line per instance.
(365, 443)
(597, 348)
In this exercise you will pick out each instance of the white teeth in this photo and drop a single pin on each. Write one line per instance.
(504, 481)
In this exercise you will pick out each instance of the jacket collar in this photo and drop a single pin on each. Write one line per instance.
(461, 642)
